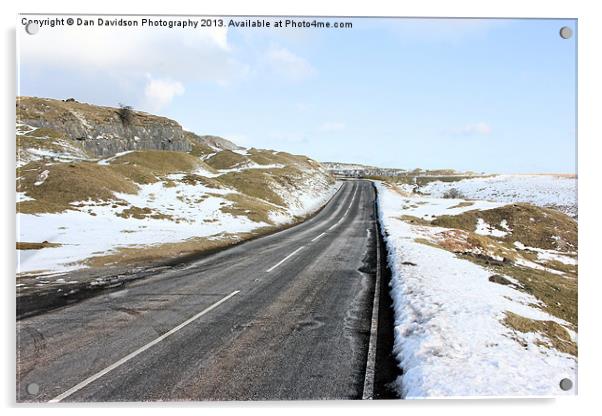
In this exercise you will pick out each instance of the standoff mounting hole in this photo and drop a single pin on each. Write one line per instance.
(33, 388)
(566, 384)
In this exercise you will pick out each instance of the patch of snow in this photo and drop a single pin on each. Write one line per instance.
(41, 178)
(483, 228)
(80, 117)
(23, 129)
(429, 208)
(204, 172)
(108, 160)
(505, 226)
(241, 151)
(519, 245)
(208, 156)
(549, 255)
(251, 165)
(449, 338)
(22, 197)
(311, 192)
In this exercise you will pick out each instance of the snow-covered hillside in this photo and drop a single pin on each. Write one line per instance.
(76, 211)
(553, 191)
(472, 317)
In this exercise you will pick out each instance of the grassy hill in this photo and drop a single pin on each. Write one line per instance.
(154, 202)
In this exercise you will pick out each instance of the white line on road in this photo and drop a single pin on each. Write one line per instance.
(284, 259)
(138, 351)
(315, 238)
(345, 214)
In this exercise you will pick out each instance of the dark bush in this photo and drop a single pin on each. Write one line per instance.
(126, 114)
(453, 193)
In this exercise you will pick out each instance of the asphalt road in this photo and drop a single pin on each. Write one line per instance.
(286, 316)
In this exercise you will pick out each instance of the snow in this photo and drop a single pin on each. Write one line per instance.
(23, 129)
(80, 117)
(42, 178)
(115, 156)
(542, 190)
(31, 154)
(83, 235)
(429, 208)
(22, 197)
(204, 172)
(483, 228)
(241, 151)
(311, 193)
(549, 255)
(183, 211)
(449, 338)
(251, 165)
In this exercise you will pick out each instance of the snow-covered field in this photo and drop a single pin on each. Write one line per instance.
(543, 190)
(449, 336)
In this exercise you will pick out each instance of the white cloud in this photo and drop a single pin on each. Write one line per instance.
(332, 126)
(121, 57)
(473, 129)
(177, 53)
(287, 64)
(158, 93)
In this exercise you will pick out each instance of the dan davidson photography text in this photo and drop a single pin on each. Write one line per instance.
(190, 23)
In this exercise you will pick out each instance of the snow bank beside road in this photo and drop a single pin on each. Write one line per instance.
(449, 338)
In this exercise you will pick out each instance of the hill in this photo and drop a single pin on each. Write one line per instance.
(95, 191)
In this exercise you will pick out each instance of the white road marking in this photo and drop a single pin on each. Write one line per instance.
(315, 238)
(284, 259)
(138, 351)
(345, 214)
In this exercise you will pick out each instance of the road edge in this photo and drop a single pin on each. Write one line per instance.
(368, 393)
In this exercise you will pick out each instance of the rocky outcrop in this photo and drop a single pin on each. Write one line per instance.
(214, 142)
(102, 131)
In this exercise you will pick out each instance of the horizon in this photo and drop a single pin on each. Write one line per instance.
(483, 95)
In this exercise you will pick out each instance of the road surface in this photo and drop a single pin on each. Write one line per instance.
(286, 316)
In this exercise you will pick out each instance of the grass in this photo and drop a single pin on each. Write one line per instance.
(60, 112)
(50, 140)
(199, 147)
(425, 180)
(254, 183)
(67, 183)
(142, 213)
(253, 208)
(557, 336)
(226, 159)
(73, 185)
(148, 165)
(557, 293)
(268, 157)
(462, 204)
(414, 220)
(138, 255)
(531, 225)
(36, 246)
(193, 179)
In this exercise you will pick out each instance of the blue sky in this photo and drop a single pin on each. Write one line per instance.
(482, 95)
